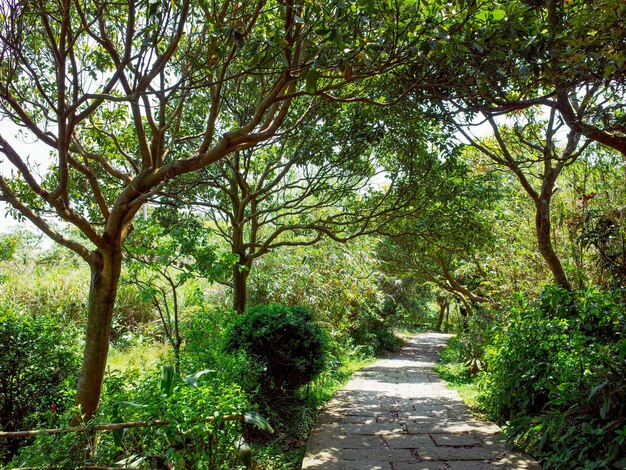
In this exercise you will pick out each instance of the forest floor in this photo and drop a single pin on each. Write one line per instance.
(397, 414)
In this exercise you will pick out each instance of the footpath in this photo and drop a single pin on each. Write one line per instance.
(397, 414)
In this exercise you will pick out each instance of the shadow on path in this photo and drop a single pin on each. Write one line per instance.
(397, 414)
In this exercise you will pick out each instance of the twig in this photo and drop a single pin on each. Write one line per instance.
(111, 427)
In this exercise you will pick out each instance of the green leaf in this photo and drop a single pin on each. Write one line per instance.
(167, 379)
(604, 411)
(598, 387)
(118, 434)
(311, 81)
(193, 378)
(622, 350)
(254, 418)
(128, 404)
(498, 14)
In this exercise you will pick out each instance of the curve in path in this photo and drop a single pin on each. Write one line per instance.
(397, 414)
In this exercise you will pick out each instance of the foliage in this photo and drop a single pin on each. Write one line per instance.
(142, 95)
(45, 281)
(341, 283)
(557, 373)
(605, 233)
(203, 331)
(188, 440)
(452, 367)
(164, 252)
(8, 246)
(39, 358)
(285, 340)
(433, 246)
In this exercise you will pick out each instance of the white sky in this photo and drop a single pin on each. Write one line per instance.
(28, 147)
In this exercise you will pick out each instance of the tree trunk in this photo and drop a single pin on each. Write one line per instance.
(240, 287)
(544, 241)
(105, 274)
(442, 311)
(447, 320)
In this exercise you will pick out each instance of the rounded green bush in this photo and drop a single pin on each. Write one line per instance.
(286, 340)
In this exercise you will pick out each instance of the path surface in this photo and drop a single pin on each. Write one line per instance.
(397, 414)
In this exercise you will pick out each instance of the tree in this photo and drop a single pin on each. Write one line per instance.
(166, 250)
(520, 54)
(526, 153)
(130, 96)
(442, 245)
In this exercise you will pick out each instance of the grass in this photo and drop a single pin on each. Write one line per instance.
(455, 374)
(141, 356)
(453, 370)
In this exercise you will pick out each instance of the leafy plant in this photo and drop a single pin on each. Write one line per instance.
(39, 358)
(202, 421)
(557, 374)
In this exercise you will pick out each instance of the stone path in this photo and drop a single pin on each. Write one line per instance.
(397, 414)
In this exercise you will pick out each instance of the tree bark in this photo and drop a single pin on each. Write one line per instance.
(544, 241)
(241, 269)
(442, 310)
(105, 274)
(240, 286)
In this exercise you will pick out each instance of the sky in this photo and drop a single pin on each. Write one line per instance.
(25, 145)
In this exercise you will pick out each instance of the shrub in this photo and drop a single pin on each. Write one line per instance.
(285, 340)
(557, 372)
(38, 358)
(203, 331)
(336, 281)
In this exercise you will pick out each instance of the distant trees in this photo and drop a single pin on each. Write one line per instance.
(443, 244)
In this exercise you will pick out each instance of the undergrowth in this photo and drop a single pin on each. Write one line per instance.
(452, 367)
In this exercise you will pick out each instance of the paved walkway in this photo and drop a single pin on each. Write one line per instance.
(397, 414)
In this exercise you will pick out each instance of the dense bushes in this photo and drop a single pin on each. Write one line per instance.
(189, 441)
(283, 339)
(39, 356)
(557, 374)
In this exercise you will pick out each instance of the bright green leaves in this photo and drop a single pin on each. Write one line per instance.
(311, 81)
(176, 241)
(490, 14)
(553, 368)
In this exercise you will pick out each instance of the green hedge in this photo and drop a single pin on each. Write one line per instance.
(39, 357)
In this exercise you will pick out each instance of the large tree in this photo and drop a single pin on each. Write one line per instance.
(531, 148)
(128, 96)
